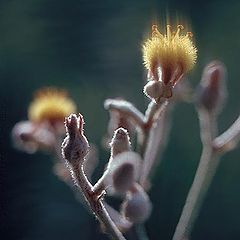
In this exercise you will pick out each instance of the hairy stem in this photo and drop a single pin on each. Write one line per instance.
(95, 203)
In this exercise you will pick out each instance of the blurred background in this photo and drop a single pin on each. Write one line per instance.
(93, 49)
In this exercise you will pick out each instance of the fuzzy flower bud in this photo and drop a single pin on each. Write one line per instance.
(212, 90)
(153, 90)
(75, 146)
(30, 137)
(120, 142)
(123, 171)
(137, 206)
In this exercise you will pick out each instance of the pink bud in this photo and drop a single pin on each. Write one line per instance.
(120, 142)
(75, 146)
(212, 90)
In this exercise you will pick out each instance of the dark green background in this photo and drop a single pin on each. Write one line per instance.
(93, 48)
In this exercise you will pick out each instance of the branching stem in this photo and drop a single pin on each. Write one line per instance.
(96, 204)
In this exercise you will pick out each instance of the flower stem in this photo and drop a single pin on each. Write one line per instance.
(229, 139)
(154, 139)
(205, 172)
(96, 204)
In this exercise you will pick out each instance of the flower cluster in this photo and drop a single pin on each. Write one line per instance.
(127, 175)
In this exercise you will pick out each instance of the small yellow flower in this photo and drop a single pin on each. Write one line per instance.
(171, 52)
(51, 105)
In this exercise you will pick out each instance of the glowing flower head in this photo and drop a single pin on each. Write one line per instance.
(51, 105)
(174, 53)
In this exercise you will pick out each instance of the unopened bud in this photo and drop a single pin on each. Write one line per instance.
(30, 137)
(75, 146)
(137, 206)
(22, 136)
(123, 171)
(212, 90)
(120, 142)
(153, 89)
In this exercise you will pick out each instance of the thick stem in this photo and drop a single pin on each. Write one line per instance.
(202, 180)
(95, 203)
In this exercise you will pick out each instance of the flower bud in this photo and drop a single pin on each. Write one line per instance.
(137, 206)
(153, 89)
(30, 137)
(75, 146)
(212, 90)
(123, 171)
(120, 142)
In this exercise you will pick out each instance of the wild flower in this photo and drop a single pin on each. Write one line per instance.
(172, 51)
(50, 105)
(44, 128)
(168, 57)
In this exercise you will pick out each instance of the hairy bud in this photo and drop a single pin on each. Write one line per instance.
(137, 206)
(153, 90)
(123, 171)
(120, 142)
(75, 146)
(212, 90)
(30, 137)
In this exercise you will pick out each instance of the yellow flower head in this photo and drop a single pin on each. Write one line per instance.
(169, 51)
(52, 105)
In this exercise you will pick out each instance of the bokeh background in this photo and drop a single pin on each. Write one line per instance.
(93, 49)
